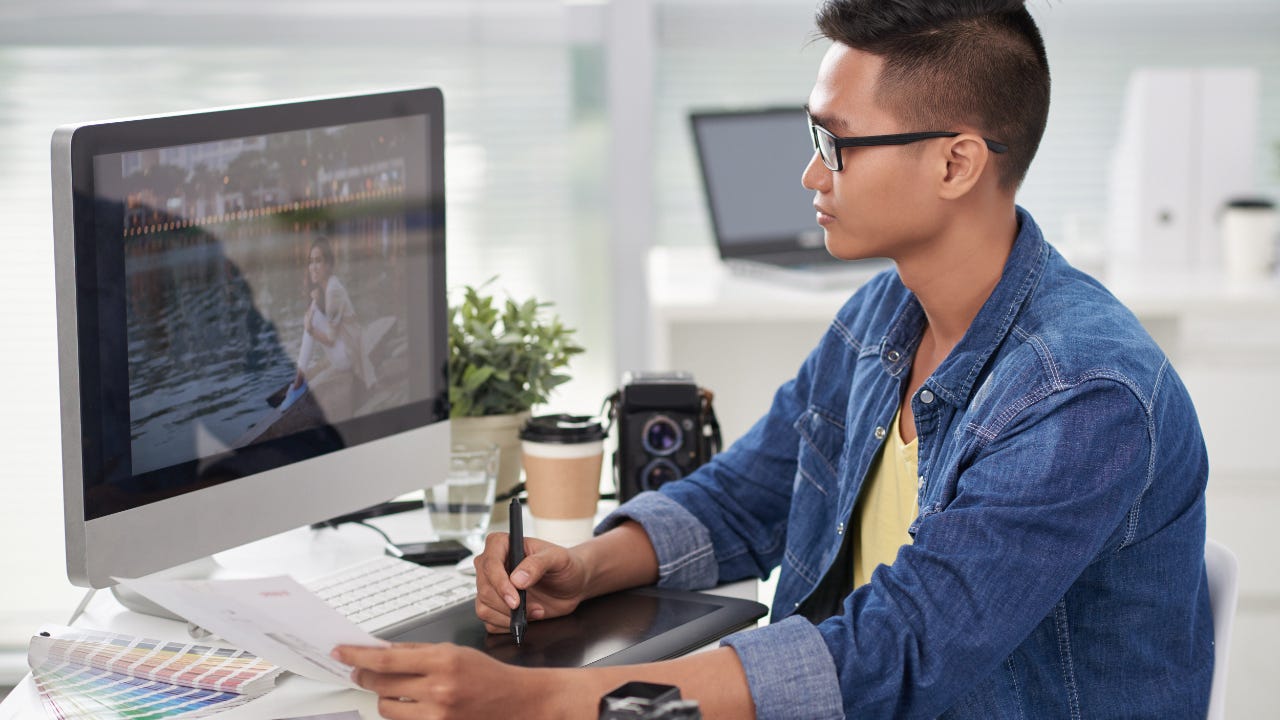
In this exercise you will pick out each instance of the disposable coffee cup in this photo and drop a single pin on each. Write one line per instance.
(562, 457)
(1249, 239)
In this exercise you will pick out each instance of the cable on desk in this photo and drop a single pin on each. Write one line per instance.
(376, 529)
(391, 547)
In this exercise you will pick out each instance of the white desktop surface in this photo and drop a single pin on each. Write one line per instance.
(304, 554)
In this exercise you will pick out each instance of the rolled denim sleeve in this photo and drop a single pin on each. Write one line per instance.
(788, 664)
(789, 670)
(686, 559)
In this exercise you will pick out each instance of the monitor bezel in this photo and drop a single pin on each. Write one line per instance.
(161, 534)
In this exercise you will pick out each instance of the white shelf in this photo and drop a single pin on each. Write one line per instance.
(690, 283)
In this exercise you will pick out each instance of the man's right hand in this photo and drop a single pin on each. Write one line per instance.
(554, 577)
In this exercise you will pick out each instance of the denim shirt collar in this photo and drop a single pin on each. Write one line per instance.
(954, 379)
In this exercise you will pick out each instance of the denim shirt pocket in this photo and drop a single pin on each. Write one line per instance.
(818, 459)
(815, 494)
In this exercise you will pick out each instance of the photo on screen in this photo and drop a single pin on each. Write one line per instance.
(267, 286)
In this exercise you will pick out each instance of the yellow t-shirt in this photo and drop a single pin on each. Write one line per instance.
(886, 506)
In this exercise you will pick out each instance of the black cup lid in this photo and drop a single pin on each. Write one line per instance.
(1251, 203)
(563, 429)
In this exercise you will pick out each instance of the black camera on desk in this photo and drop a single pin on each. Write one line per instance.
(666, 429)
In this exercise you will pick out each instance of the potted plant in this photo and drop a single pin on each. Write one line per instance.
(503, 359)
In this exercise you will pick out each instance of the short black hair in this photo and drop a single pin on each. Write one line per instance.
(979, 62)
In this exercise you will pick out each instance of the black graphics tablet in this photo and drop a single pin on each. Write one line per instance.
(624, 628)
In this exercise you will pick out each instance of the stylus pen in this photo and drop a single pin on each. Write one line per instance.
(515, 556)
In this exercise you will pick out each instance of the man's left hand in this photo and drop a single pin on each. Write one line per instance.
(446, 681)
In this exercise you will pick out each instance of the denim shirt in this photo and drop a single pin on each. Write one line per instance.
(1057, 568)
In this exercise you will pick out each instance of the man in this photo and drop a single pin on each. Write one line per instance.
(985, 486)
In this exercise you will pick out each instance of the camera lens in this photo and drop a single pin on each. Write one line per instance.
(657, 472)
(661, 435)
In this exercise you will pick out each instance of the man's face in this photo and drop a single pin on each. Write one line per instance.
(879, 205)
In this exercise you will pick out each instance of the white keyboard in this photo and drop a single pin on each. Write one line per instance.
(384, 591)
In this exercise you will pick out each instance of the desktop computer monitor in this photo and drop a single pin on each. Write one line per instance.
(251, 322)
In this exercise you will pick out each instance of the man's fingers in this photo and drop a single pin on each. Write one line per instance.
(498, 617)
(491, 570)
(495, 545)
(396, 709)
(404, 659)
(392, 686)
(543, 558)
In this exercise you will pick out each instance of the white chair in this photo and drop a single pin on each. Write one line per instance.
(1224, 590)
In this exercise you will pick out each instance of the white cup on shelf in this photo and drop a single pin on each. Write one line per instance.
(1249, 239)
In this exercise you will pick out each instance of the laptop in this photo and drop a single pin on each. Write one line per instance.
(763, 219)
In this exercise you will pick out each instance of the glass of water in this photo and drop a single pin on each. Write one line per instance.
(460, 506)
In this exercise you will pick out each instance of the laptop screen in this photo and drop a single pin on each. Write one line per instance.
(751, 164)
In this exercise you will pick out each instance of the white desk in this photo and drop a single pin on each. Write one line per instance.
(303, 553)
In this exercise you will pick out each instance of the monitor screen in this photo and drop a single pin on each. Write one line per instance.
(253, 290)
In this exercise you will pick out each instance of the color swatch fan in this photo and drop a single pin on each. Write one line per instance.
(89, 674)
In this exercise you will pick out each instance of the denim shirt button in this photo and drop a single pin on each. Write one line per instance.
(920, 483)
(840, 529)
(926, 397)
(893, 355)
(880, 433)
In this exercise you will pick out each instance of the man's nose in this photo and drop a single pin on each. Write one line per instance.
(816, 176)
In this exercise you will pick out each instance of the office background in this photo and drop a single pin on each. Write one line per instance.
(568, 157)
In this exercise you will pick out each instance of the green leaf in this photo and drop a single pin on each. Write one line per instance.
(473, 377)
(507, 357)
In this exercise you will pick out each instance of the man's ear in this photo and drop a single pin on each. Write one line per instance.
(965, 159)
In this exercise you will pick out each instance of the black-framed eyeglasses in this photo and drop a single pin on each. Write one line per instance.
(829, 146)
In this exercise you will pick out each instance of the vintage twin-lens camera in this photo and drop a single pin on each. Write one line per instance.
(666, 429)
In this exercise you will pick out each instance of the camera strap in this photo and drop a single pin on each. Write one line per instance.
(609, 410)
(710, 426)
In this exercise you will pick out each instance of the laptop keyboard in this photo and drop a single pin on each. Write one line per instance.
(384, 591)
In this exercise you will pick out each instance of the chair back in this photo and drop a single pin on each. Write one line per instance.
(1224, 589)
